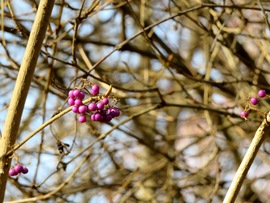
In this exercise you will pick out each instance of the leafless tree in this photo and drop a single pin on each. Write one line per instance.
(181, 72)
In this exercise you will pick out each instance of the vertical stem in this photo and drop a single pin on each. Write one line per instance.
(242, 171)
(21, 88)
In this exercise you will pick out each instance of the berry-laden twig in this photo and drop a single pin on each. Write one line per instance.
(99, 109)
(250, 155)
(253, 101)
(260, 135)
(18, 169)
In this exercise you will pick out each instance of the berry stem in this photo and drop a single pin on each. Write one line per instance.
(108, 91)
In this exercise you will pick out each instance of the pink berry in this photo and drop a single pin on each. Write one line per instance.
(76, 93)
(261, 93)
(244, 114)
(93, 117)
(81, 95)
(82, 109)
(71, 101)
(98, 117)
(100, 105)
(254, 101)
(95, 87)
(25, 170)
(70, 94)
(92, 107)
(105, 100)
(12, 172)
(18, 168)
(94, 92)
(75, 109)
(82, 119)
(78, 102)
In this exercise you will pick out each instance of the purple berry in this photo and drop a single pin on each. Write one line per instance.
(105, 100)
(81, 95)
(254, 101)
(75, 109)
(82, 118)
(115, 112)
(82, 109)
(92, 107)
(103, 112)
(70, 94)
(100, 105)
(71, 101)
(76, 93)
(18, 168)
(12, 172)
(244, 114)
(78, 102)
(25, 170)
(108, 118)
(261, 93)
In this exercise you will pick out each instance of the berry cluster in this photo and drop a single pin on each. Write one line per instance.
(98, 109)
(17, 170)
(254, 101)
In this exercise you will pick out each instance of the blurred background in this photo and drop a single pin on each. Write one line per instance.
(181, 71)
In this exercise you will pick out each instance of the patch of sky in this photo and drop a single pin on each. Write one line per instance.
(198, 61)
(106, 15)
(99, 198)
(220, 99)
(161, 122)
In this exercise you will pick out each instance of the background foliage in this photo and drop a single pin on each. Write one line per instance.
(182, 72)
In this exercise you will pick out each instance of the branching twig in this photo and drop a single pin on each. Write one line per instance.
(241, 173)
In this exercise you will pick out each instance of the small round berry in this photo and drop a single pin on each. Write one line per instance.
(12, 172)
(108, 118)
(76, 93)
(244, 114)
(261, 93)
(70, 94)
(100, 105)
(81, 95)
(93, 117)
(98, 117)
(103, 112)
(78, 102)
(18, 168)
(105, 100)
(82, 118)
(25, 170)
(95, 87)
(92, 107)
(115, 112)
(254, 101)
(82, 109)
(71, 101)
(75, 109)
(94, 92)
